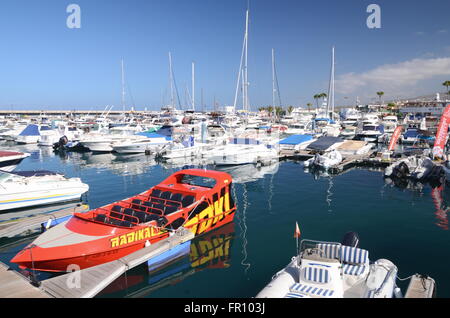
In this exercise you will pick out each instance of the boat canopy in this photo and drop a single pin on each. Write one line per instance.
(37, 173)
(296, 139)
(30, 130)
(323, 143)
(153, 135)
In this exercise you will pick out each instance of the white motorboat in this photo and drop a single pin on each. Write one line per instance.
(10, 159)
(296, 142)
(372, 133)
(104, 142)
(30, 135)
(30, 188)
(325, 161)
(341, 270)
(390, 123)
(242, 151)
(185, 149)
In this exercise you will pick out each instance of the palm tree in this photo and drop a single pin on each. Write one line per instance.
(309, 106)
(261, 109)
(380, 94)
(447, 84)
(270, 110)
(316, 98)
(278, 111)
(290, 109)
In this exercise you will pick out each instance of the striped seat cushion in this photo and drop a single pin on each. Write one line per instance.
(353, 269)
(312, 290)
(330, 250)
(354, 255)
(315, 274)
(294, 295)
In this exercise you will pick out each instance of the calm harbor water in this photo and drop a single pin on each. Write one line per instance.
(405, 225)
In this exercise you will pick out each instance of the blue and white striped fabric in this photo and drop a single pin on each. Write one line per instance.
(317, 275)
(294, 295)
(331, 250)
(312, 290)
(370, 293)
(354, 255)
(353, 269)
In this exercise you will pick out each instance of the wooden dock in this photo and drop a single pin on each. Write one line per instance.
(17, 226)
(421, 287)
(14, 285)
(90, 281)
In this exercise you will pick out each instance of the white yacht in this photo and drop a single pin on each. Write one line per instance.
(390, 123)
(341, 270)
(242, 151)
(104, 142)
(29, 188)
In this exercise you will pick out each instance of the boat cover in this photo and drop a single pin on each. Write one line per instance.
(30, 130)
(295, 139)
(323, 143)
(153, 135)
(37, 173)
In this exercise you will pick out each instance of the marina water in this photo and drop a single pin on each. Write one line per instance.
(405, 225)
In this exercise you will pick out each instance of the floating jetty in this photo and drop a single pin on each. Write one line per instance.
(15, 285)
(20, 225)
(88, 282)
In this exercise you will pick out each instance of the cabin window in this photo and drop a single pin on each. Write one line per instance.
(198, 181)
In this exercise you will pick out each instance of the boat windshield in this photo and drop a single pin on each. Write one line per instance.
(198, 181)
(369, 127)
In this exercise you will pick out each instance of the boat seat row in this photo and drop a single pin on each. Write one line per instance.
(131, 215)
(103, 218)
(155, 208)
(169, 198)
(355, 260)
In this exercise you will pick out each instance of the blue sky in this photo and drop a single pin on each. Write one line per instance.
(45, 65)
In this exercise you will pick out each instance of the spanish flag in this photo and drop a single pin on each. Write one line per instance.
(297, 231)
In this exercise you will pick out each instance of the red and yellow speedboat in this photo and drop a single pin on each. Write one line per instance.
(199, 200)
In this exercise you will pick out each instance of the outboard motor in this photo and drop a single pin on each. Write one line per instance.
(401, 171)
(61, 143)
(351, 239)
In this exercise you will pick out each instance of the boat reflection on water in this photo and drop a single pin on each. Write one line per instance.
(133, 164)
(209, 251)
(437, 194)
(249, 172)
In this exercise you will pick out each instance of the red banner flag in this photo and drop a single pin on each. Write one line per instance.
(442, 132)
(395, 137)
(297, 231)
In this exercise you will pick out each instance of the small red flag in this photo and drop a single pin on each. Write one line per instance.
(297, 231)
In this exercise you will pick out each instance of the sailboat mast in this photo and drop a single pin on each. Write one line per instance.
(246, 63)
(330, 103)
(273, 78)
(193, 86)
(171, 81)
(123, 88)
